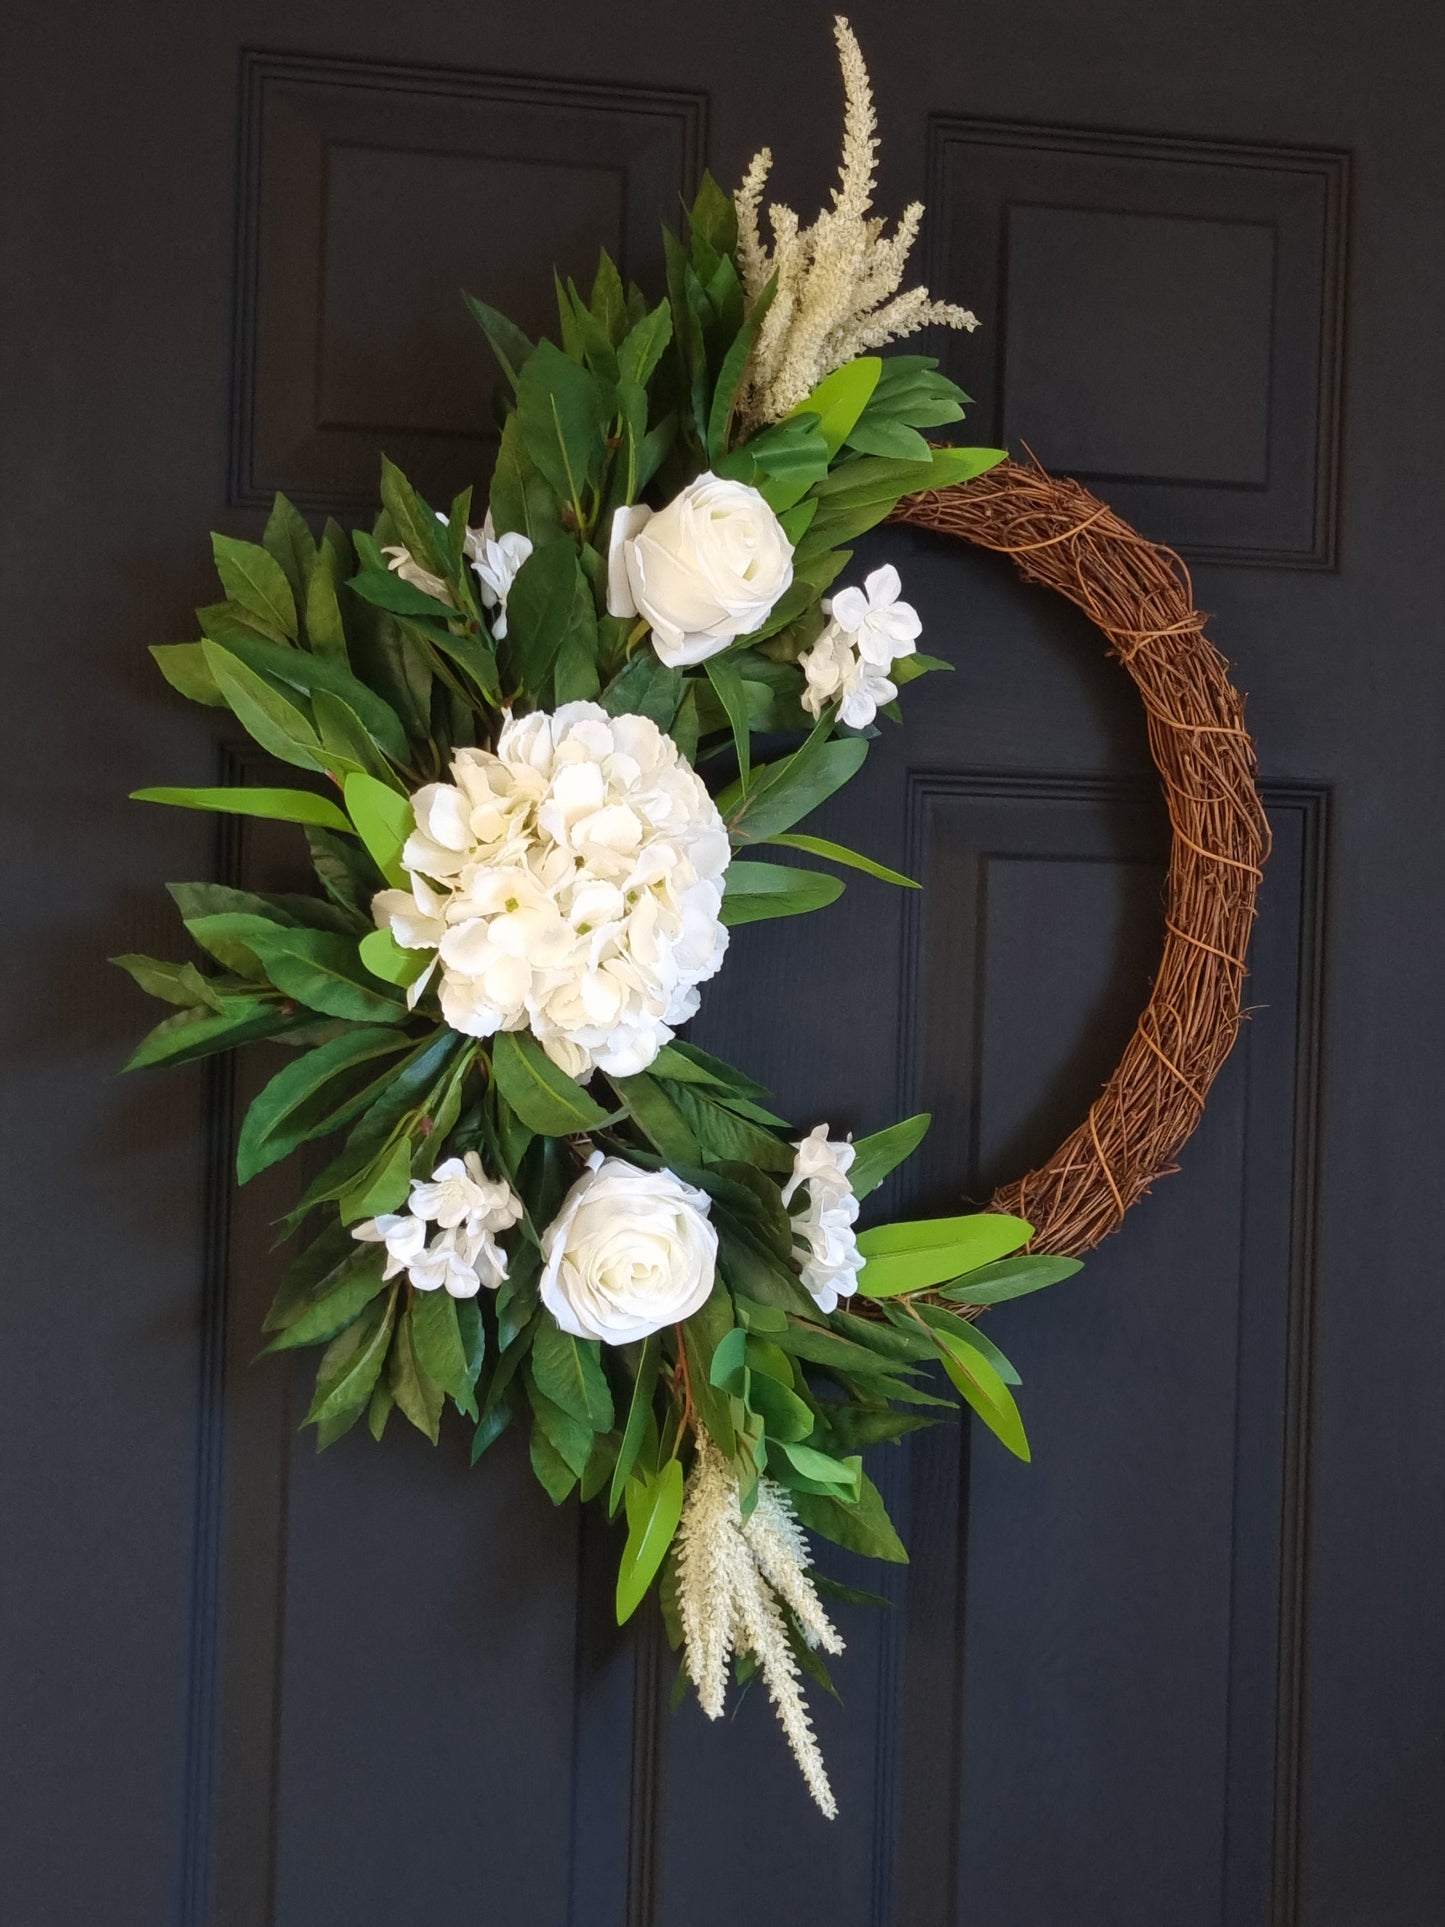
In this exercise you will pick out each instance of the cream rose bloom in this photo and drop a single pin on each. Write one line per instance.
(704, 570)
(629, 1252)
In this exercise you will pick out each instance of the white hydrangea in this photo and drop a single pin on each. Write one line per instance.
(868, 630)
(823, 1221)
(469, 1209)
(570, 884)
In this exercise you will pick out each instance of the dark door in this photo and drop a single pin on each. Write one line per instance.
(1187, 1668)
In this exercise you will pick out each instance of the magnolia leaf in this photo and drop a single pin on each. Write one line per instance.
(654, 1506)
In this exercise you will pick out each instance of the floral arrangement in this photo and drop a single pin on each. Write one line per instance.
(537, 823)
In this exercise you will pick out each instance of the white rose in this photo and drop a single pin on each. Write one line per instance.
(703, 571)
(629, 1252)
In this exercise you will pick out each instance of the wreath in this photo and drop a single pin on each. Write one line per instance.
(536, 819)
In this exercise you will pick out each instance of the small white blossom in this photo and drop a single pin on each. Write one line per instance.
(496, 559)
(868, 630)
(403, 1235)
(823, 1221)
(468, 1208)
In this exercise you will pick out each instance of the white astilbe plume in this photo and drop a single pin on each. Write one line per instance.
(837, 281)
(731, 1575)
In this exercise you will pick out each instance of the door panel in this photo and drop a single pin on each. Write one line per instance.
(1185, 1667)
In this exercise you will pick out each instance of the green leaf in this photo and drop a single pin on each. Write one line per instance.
(753, 892)
(257, 582)
(509, 344)
(554, 1475)
(540, 608)
(413, 521)
(319, 968)
(876, 435)
(645, 345)
(654, 1507)
(572, 1437)
(313, 1094)
(818, 1469)
(437, 1341)
(184, 666)
(722, 673)
(350, 1367)
(383, 820)
(645, 686)
(787, 1419)
(325, 629)
(381, 1186)
(713, 217)
(335, 1301)
(840, 398)
(874, 1157)
(282, 806)
(417, 1394)
(926, 1252)
(730, 375)
(1011, 1278)
(543, 1096)
(863, 1526)
(563, 412)
(639, 1413)
(659, 1119)
(263, 712)
(569, 1371)
(982, 1388)
(309, 672)
(173, 983)
(385, 589)
(288, 540)
(200, 1032)
(836, 853)
(784, 792)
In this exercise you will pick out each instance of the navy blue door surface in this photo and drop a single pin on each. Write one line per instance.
(1184, 1671)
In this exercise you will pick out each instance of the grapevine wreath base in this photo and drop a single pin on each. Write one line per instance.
(1139, 595)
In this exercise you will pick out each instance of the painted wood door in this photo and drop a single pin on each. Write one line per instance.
(1186, 1668)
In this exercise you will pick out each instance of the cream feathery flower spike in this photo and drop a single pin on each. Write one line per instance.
(731, 1575)
(837, 281)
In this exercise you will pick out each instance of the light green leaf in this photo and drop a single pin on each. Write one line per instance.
(840, 398)
(385, 958)
(837, 853)
(282, 806)
(383, 820)
(184, 666)
(292, 544)
(654, 1507)
(981, 1386)
(325, 630)
(877, 435)
(917, 1255)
